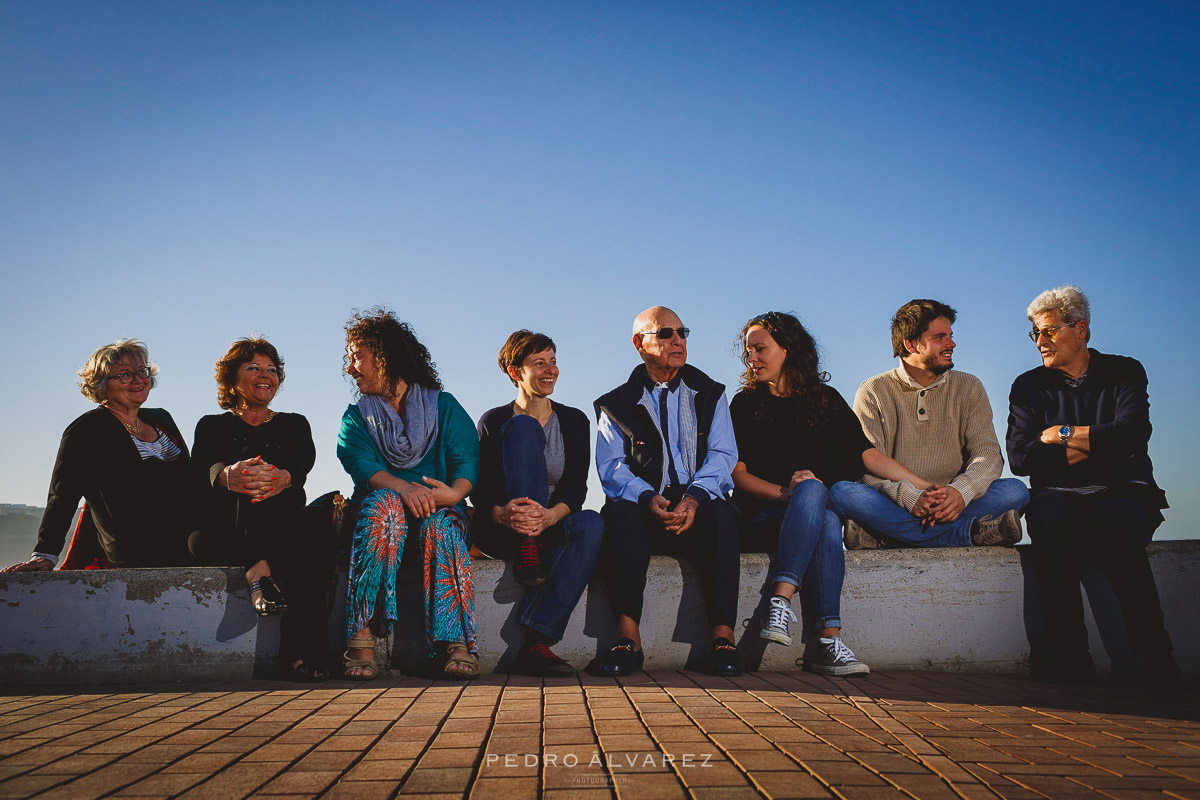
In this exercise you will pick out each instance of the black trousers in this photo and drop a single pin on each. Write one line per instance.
(632, 535)
(1113, 528)
(300, 546)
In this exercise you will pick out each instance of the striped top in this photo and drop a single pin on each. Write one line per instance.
(162, 448)
(943, 432)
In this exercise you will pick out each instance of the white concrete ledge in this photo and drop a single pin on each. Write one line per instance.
(941, 609)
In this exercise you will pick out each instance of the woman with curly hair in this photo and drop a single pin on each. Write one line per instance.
(252, 463)
(413, 454)
(796, 438)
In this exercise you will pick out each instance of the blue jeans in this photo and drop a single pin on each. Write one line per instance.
(810, 544)
(877, 512)
(574, 543)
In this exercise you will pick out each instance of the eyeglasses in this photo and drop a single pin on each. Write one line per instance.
(127, 377)
(1050, 331)
(667, 333)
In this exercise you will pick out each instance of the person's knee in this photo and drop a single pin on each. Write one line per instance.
(587, 525)
(1012, 493)
(806, 492)
(522, 425)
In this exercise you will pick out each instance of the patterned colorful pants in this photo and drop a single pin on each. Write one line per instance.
(375, 554)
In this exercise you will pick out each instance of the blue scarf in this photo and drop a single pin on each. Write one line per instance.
(403, 441)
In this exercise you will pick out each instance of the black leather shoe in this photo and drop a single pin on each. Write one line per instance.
(726, 660)
(269, 600)
(539, 661)
(622, 660)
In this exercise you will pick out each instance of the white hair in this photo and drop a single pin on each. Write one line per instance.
(1069, 301)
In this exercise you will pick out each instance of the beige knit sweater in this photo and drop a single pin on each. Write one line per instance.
(943, 432)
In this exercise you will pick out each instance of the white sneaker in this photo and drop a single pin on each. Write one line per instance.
(775, 627)
(832, 657)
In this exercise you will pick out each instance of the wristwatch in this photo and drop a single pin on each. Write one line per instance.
(1064, 433)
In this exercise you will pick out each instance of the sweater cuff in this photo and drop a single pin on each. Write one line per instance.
(700, 495)
(645, 497)
(964, 488)
(908, 495)
(47, 557)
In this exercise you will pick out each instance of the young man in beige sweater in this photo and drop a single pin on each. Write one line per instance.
(937, 422)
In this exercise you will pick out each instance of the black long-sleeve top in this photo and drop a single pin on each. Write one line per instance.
(222, 439)
(142, 508)
(774, 441)
(1112, 400)
(488, 492)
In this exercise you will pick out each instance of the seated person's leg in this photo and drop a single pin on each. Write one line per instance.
(449, 591)
(625, 555)
(1054, 521)
(374, 557)
(1125, 521)
(989, 525)
(523, 461)
(712, 542)
(876, 512)
(828, 654)
(546, 609)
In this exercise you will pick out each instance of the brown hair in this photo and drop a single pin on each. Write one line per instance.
(241, 352)
(397, 351)
(914, 318)
(93, 376)
(519, 346)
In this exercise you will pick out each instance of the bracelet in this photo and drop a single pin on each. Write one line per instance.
(228, 485)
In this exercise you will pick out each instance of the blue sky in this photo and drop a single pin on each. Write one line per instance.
(188, 173)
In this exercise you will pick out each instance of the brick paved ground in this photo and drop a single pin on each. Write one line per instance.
(658, 736)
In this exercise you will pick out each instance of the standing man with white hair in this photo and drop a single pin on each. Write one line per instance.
(665, 451)
(1079, 427)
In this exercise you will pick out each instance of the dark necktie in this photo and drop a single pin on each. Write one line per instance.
(662, 418)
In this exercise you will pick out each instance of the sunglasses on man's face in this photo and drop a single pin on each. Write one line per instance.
(1049, 332)
(667, 333)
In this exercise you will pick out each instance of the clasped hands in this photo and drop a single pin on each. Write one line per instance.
(526, 517)
(678, 520)
(256, 478)
(939, 504)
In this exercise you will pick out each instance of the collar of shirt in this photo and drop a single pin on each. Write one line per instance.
(670, 385)
(906, 379)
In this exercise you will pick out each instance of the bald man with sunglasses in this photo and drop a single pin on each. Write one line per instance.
(665, 451)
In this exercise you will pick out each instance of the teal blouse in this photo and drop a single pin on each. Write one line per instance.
(454, 455)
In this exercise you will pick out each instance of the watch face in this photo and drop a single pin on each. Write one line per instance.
(1064, 432)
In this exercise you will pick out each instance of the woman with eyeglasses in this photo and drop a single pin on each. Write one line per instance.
(413, 454)
(796, 438)
(129, 464)
(252, 462)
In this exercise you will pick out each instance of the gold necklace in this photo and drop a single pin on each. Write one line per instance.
(135, 429)
(237, 412)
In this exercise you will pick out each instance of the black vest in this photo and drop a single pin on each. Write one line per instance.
(643, 445)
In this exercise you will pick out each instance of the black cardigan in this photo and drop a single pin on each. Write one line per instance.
(1113, 400)
(142, 509)
(489, 490)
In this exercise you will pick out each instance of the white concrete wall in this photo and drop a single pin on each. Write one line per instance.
(943, 609)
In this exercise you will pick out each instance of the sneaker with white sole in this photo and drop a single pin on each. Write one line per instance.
(1001, 531)
(856, 537)
(775, 626)
(832, 657)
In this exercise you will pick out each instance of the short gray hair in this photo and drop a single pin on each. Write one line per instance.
(1069, 301)
(93, 376)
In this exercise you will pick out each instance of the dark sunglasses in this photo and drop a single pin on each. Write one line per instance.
(667, 333)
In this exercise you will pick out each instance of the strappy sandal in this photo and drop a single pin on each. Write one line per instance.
(270, 599)
(457, 667)
(368, 665)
